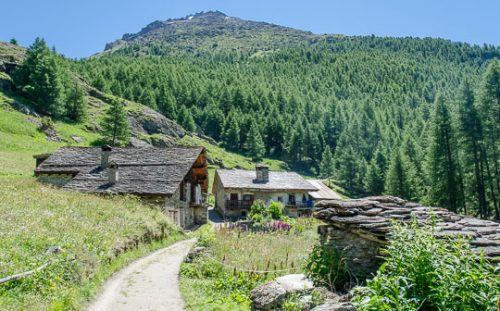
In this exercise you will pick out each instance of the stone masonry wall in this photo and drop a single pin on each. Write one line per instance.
(360, 227)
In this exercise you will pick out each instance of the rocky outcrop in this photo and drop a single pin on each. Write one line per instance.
(267, 296)
(359, 228)
(270, 295)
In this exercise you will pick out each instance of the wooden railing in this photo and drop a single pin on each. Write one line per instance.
(238, 204)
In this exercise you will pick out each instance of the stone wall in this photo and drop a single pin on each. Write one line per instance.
(359, 228)
(363, 255)
(58, 180)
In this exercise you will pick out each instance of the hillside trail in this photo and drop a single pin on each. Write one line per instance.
(150, 283)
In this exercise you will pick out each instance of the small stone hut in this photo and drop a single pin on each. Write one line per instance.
(174, 178)
(359, 228)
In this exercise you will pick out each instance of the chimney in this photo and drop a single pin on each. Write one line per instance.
(105, 153)
(262, 173)
(113, 175)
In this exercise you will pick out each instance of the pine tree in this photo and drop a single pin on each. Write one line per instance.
(186, 120)
(232, 133)
(254, 145)
(167, 104)
(76, 104)
(348, 168)
(396, 182)
(115, 128)
(442, 168)
(39, 79)
(472, 136)
(374, 179)
(326, 166)
(489, 110)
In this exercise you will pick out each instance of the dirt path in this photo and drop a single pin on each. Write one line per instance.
(150, 283)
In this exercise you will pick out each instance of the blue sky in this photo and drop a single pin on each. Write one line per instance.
(79, 28)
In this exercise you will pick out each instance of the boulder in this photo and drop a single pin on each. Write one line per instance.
(195, 253)
(77, 139)
(267, 296)
(295, 283)
(138, 143)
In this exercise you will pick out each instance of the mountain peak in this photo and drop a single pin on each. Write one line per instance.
(209, 31)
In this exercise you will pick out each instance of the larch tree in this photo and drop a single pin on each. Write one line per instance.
(254, 145)
(115, 127)
(326, 166)
(442, 166)
(39, 79)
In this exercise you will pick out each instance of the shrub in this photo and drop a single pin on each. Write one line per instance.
(326, 267)
(206, 235)
(425, 273)
(261, 214)
(275, 210)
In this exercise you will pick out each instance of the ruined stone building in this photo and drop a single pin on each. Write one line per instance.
(175, 179)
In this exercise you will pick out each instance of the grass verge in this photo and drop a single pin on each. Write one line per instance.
(206, 284)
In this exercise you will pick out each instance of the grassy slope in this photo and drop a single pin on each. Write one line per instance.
(247, 251)
(35, 217)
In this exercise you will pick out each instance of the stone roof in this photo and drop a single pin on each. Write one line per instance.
(371, 218)
(324, 192)
(245, 179)
(143, 171)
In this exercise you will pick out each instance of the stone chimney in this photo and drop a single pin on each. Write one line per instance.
(262, 173)
(105, 153)
(113, 175)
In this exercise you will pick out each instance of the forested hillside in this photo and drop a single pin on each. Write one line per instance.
(411, 117)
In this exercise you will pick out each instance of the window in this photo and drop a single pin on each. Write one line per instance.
(233, 197)
(183, 191)
(291, 198)
(280, 199)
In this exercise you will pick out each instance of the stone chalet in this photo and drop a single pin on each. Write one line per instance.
(174, 178)
(235, 191)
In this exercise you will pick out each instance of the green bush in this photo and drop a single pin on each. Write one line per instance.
(206, 235)
(326, 267)
(275, 210)
(425, 273)
(261, 214)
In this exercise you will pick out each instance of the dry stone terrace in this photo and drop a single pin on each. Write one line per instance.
(360, 228)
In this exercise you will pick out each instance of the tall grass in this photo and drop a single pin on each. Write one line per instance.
(93, 235)
(236, 260)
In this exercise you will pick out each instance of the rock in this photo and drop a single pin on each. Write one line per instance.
(25, 109)
(267, 296)
(138, 143)
(162, 141)
(77, 139)
(52, 135)
(56, 249)
(195, 253)
(295, 283)
(148, 121)
(342, 306)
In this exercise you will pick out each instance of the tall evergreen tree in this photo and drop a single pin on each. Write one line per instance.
(254, 145)
(39, 79)
(186, 120)
(326, 166)
(115, 128)
(375, 178)
(231, 135)
(76, 104)
(442, 167)
(489, 109)
(396, 182)
(471, 138)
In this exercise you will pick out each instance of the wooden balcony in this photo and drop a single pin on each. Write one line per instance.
(238, 204)
(299, 205)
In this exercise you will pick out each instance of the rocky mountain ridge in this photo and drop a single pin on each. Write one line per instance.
(211, 31)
